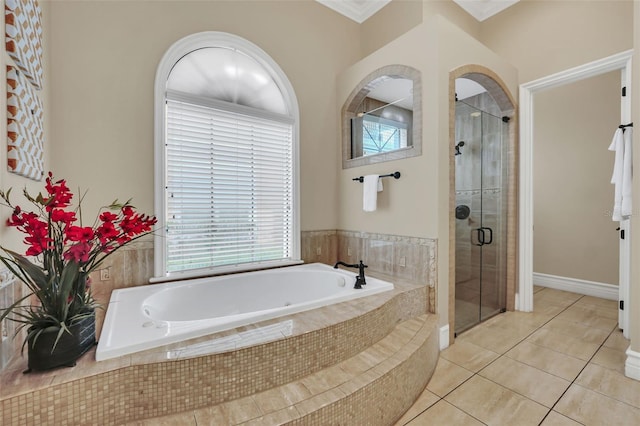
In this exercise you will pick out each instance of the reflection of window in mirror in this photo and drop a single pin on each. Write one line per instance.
(379, 119)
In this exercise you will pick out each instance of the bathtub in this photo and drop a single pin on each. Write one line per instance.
(150, 316)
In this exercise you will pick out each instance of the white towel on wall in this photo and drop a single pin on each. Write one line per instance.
(371, 186)
(627, 174)
(617, 145)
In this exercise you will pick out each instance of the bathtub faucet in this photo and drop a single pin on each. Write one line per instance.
(360, 280)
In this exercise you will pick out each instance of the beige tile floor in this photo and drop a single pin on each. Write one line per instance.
(562, 364)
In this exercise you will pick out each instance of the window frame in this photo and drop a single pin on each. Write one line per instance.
(171, 57)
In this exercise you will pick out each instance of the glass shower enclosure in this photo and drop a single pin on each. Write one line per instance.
(481, 205)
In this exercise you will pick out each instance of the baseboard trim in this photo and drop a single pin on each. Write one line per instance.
(444, 337)
(632, 364)
(574, 285)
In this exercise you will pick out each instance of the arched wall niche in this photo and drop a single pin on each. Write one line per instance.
(359, 93)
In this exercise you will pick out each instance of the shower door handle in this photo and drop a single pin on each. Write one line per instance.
(480, 237)
(481, 234)
(490, 235)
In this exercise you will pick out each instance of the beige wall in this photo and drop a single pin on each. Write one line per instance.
(10, 238)
(574, 235)
(105, 56)
(544, 37)
(418, 203)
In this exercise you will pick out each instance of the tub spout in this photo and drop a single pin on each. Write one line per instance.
(360, 279)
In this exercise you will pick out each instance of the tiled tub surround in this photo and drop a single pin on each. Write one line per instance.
(407, 258)
(133, 266)
(146, 385)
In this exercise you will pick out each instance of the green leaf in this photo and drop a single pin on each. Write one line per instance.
(14, 307)
(34, 272)
(68, 278)
(63, 328)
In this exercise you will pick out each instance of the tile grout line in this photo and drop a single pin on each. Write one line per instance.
(578, 375)
(475, 373)
(504, 354)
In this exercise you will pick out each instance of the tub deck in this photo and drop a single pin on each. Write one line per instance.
(151, 383)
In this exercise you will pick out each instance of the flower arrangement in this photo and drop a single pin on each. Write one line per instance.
(66, 252)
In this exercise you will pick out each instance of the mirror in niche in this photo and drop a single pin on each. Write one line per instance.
(381, 119)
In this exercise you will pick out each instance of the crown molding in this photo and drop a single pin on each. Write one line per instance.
(484, 9)
(357, 10)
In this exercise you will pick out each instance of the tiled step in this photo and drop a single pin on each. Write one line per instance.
(375, 386)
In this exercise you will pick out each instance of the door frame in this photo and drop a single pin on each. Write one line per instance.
(620, 61)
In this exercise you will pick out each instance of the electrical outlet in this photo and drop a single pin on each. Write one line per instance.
(319, 251)
(349, 251)
(403, 261)
(105, 274)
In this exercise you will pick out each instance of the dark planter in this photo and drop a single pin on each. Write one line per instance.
(70, 347)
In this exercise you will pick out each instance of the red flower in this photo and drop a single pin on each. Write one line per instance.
(134, 224)
(79, 252)
(79, 233)
(37, 231)
(107, 232)
(60, 215)
(128, 211)
(54, 235)
(15, 219)
(108, 217)
(59, 194)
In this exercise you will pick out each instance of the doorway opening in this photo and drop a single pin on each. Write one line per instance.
(621, 62)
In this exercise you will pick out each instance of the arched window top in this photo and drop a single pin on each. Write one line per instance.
(226, 74)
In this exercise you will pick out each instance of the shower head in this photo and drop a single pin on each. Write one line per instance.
(458, 146)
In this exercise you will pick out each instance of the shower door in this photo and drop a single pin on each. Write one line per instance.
(480, 168)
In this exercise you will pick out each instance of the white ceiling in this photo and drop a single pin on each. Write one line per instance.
(361, 10)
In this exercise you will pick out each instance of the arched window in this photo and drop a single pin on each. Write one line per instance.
(226, 159)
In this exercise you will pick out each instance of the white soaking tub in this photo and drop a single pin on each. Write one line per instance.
(146, 317)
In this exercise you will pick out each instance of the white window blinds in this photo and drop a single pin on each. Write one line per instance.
(229, 186)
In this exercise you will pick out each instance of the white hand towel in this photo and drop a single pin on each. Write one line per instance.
(617, 145)
(627, 174)
(371, 186)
